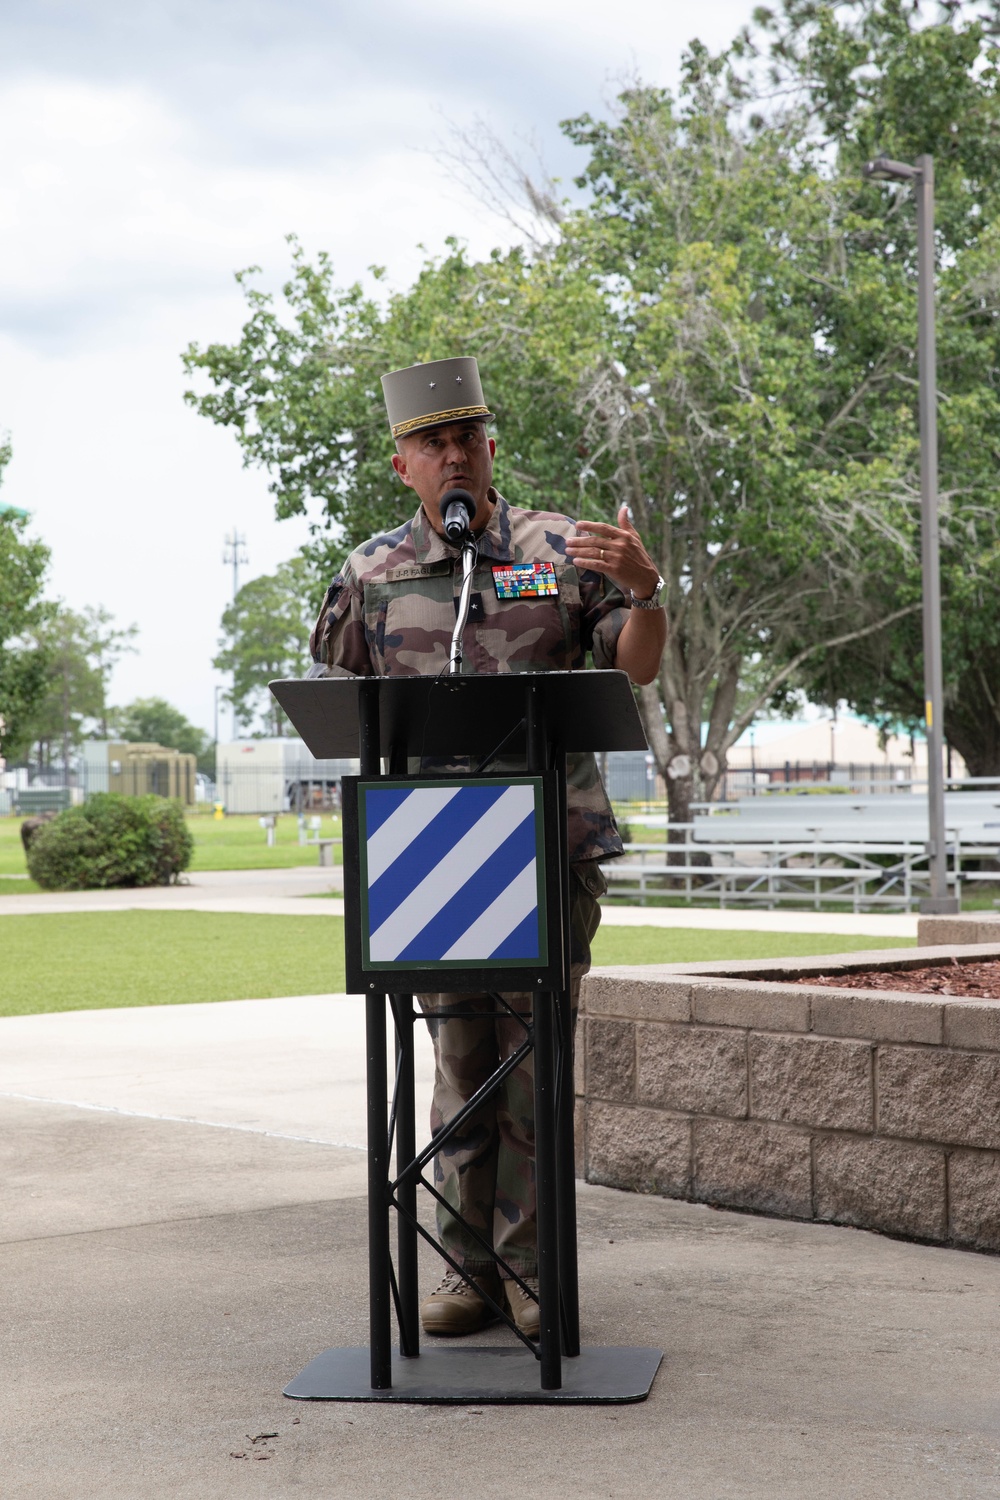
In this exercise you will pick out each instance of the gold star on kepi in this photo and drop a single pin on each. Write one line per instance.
(445, 390)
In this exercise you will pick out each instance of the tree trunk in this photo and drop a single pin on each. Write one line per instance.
(658, 738)
(972, 719)
(677, 752)
(978, 743)
(680, 795)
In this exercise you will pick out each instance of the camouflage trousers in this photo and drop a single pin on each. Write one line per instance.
(487, 1170)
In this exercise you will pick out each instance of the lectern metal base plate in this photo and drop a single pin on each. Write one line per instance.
(480, 1376)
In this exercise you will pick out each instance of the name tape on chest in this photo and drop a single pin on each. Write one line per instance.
(525, 580)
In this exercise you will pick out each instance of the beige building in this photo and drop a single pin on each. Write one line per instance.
(842, 742)
(135, 768)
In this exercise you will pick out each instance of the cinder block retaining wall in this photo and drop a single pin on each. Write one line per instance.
(880, 1110)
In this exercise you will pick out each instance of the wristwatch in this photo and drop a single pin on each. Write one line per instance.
(653, 602)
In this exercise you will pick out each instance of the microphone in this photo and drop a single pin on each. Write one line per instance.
(457, 511)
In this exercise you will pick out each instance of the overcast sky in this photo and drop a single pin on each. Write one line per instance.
(152, 149)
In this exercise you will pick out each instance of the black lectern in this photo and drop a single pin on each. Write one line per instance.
(461, 883)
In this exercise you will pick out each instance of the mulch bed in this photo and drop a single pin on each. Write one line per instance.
(979, 981)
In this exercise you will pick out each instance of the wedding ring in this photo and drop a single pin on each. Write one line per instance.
(602, 554)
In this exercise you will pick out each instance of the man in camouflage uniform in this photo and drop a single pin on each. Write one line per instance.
(392, 611)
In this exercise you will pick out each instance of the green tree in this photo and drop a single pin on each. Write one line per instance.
(723, 335)
(105, 644)
(73, 695)
(653, 352)
(23, 660)
(266, 636)
(79, 648)
(874, 78)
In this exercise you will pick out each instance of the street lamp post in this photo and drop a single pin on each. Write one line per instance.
(218, 689)
(921, 175)
(235, 553)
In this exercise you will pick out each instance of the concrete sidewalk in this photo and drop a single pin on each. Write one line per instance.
(294, 892)
(260, 892)
(162, 1279)
(293, 1067)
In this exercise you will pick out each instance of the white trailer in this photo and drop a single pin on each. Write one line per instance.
(277, 775)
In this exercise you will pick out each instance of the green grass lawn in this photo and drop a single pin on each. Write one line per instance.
(238, 842)
(233, 843)
(11, 852)
(94, 961)
(99, 960)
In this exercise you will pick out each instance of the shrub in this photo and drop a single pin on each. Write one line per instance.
(112, 841)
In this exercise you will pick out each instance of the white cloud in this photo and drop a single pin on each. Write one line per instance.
(151, 149)
(112, 210)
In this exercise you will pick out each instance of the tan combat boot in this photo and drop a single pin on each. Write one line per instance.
(522, 1309)
(457, 1308)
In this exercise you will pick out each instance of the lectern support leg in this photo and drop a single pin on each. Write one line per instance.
(406, 1150)
(569, 1279)
(546, 1178)
(379, 1296)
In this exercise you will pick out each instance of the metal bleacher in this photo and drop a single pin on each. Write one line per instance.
(974, 817)
(862, 850)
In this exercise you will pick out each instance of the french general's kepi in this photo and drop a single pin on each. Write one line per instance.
(444, 390)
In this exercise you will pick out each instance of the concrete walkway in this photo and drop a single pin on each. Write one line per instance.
(294, 892)
(293, 1067)
(260, 892)
(172, 1254)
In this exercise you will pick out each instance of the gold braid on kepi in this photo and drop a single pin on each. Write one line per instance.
(417, 396)
(435, 419)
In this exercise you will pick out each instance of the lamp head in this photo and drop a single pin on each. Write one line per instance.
(884, 169)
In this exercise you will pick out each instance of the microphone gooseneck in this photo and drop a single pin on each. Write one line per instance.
(469, 554)
(457, 511)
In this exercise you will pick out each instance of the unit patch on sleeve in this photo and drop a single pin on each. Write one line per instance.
(525, 580)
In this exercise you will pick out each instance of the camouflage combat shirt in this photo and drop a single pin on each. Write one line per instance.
(392, 610)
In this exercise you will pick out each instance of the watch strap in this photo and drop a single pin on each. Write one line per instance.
(653, 602)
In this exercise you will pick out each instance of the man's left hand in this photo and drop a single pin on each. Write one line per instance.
(616, 551)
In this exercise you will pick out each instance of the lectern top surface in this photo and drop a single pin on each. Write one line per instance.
(464, 715)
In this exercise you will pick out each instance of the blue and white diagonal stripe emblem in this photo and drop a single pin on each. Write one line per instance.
(452, 873)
